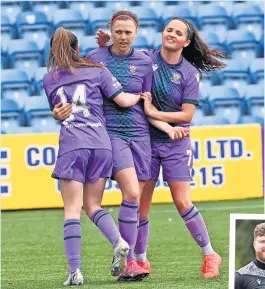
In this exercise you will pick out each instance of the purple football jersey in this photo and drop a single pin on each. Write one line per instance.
(134, 72)
(173, 85)
(85, 127)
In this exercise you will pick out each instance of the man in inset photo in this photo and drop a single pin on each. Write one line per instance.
(252, 275)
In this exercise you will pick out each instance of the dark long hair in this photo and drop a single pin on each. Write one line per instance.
(63, 53)
(198, 53)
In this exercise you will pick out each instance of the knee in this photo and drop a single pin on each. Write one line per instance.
(131, 196)
(182, 205)
(72, 212)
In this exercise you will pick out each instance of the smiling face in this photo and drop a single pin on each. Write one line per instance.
(123, 34)
(259, 246)
(175, 36)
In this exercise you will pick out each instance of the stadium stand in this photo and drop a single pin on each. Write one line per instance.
(15, 85)
(236, 28)
(33, 26)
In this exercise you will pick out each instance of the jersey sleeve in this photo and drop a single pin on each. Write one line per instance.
(49, 97)
(147, 52)
(191, 89)
(148, 79)
(110, 86)
(239, 284)
(93, 55)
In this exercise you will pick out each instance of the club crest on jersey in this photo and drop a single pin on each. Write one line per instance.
(175, 77)
(132, 68)
(155, 66)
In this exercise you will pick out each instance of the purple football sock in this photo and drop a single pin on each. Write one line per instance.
(104, 221)
(196, 225)
(143, 235)
(128, 224)
(72, 243)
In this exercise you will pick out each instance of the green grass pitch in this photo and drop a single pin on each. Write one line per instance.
(33, 253)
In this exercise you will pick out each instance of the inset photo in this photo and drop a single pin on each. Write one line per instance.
(247, 251)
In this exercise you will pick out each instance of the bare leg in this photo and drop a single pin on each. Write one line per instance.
(93, 193)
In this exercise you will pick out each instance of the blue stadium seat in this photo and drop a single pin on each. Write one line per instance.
(182, 11)
(17, 130)
(214, 16)
(15, 85)
(235, 73)
(157, 6)
(157, 40)
(10, 113)
(47, 7)
(212, 39)
(87, 43)
(254, 96)
(261, 42)
(198, 115)
(4, 60)
(228, 5)
(226, 102)
(119, 5)
(205, 88)
(70, 19)
(256, 67)
(6, 29)
(33, 26)
(38, 80)
(46, 50)
(11, 9)
(147, 17)
(24, 55)
(247, 119)
(239, 86)
(37, 111)
(212, 78)
(47, 125)
(242, 44)
(99, 18)
(149, 34)
(82, 7)
(248, 14)
(211, 120)
(140, 42)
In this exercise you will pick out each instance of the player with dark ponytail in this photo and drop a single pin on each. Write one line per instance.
(177, 66)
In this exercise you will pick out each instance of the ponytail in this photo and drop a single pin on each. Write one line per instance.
(200, 55)
(63, 53)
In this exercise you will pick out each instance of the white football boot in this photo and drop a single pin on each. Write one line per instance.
(74, 279)
(119, 257)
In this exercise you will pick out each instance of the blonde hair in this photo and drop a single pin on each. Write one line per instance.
(63, 54)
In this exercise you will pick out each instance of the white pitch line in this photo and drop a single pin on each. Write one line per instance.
(217, 209)
(205, 209)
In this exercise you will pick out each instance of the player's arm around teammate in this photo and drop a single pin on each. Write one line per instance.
(103, 39)
(85, 158)
(175, 93)
(131, 149)
(128, 128)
